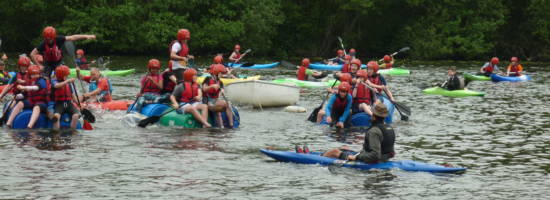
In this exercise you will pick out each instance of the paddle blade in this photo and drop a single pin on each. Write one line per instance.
(87, 126)
(150, 120)
(323, 75)
(404, 49)
(247, 51)
(313, 116)
(88, 116)
(403, 108)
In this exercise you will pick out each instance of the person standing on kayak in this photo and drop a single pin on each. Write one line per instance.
(151, 86)
(363, 96)
(100, 87)
(304, 72)
(376, 80)
(179, 53)
(339, 107)
(489, 67)
(453, 82)
(50, 48)
(212, 88)
(514, 69)
(63, 97)
(378, 146)
(187, 98)
(388, 62)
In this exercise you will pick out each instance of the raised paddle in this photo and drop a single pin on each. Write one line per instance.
(342, 44)
(154, 119)
(86, 113)
(395, 53)
(313, 116)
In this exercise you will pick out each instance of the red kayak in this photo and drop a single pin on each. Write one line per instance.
(111, 105)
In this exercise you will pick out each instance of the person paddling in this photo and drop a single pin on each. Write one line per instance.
(50, 48)
(376, 80)
(212, 88)
(37, 93)
(151, 86)
(187, 98)
(344, 78)
(388, 62)
(514, 69)
(63, 96)
(453, 82)
(339, 59)
(339, 107)
(236, 55)
(304, 72)
(100, 87)
(179, 53)
(489, 67)
(378, 146)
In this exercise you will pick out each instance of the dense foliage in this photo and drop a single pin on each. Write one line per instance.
(444, 29)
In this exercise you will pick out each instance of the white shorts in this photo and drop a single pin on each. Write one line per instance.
(185, 105)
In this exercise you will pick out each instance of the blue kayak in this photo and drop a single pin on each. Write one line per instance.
(320, 66)
(316, 158)
(499, 78)
(255, 66)
(22, 119)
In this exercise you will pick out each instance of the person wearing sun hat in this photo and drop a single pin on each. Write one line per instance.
(379, 141)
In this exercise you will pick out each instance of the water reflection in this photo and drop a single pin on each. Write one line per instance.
(51, 140)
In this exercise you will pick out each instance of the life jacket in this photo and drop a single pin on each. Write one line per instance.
(63, 94)
(82, 63)
(4, 74)
(339, 106)
(363, 95)
(168, 84)
(302, 74)
(388, 140)
(388, 65)
(53, 53)
(515, 69)
(376, 80)
(346, 68)
(212, 93)
(190, 91)
(489, 68)
(20, 76)
(184, 51)
(41, 95)
(237, 55)
(149, 86)
(105, 95)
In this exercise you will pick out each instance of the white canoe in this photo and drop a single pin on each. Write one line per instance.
(262, 93)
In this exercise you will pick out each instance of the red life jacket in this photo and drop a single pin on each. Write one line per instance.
(514, 69)
(52, 54)
(184, 51)
(83, 60)
(363, 95)
(376, 80)
(168, 84)
(489, 68)
(389, 65)
(212, 93)
(302, 74)
(237, 55)
(339, 106)
(149, 86)
(41, 95)
(346, 68)
(63, 93)
(189, 92)
(19, 76)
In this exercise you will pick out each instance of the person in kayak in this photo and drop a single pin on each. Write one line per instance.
(346, 67)
(339, 59)
(179, 53)
(352, 53)
(363, 96)
(236, 55)
(151, 86)
(212, 88)
(378, 146)
(376, 80)
(99, 88)
(388, 62)
(50, 48)
(453, 82)
(63, 96)
(489, 67)
(227, 73)
(304, 72)
(4, 75)
(339, 107)
(37, 96)
(81, 61)
(187, 98)
(344, 78)
(514, 69)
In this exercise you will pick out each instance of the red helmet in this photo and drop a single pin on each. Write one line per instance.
(80, 52)
(33, 69)
(387, 58)
(514, 59)
(61, 72)
(49, 33)
(373, 65)
(24, 61)
(188, 74)
(362, 73)
(237, 47)
(218, 59)
(153, 64)
(345, 77)
(340, 52)
(344, 87)
(347, 57)
(39, 59)
(352, 50)
(305, 62)
(357, 62)
(184, 34)
(494, 60)
(217, 68)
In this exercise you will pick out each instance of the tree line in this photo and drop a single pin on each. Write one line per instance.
(435, 30)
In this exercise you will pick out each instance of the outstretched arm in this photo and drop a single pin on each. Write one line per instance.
(79, 37)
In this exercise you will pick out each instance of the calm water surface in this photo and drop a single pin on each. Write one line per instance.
(502, 138)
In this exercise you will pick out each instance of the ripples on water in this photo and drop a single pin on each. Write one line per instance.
(502, 138)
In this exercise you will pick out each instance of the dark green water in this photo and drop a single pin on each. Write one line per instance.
(502, 138)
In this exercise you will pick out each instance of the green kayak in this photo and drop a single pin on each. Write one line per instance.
(394, 71)
(104, 72)
(305, 84)
(182, 120)
(452, 93)
(472, 77)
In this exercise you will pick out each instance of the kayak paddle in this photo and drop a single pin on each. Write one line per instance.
(4, 117)
(154, 119)
(85, 112)
(313, 116)
(403, 110)
(395, 53)
(342, 44)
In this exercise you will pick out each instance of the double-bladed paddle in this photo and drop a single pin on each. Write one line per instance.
(88, 116)
(395, 53)
(154, 119)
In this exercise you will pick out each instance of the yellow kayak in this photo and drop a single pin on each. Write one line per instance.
(227, 81)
